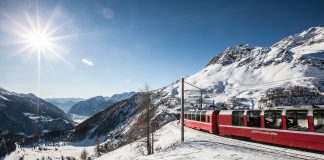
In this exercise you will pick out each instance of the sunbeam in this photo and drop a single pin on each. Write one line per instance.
(37, 39)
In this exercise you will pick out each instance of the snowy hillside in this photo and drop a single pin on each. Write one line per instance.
(200, 145)
(243, 76)
(96, 104)
(197, 145)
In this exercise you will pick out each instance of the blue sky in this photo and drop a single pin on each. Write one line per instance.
(136, 41)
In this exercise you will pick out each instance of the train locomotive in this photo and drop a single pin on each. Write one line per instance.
(300, 128)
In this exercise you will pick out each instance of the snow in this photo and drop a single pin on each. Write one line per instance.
(197, 145)
(53, 152)
(3, 98)
(34, 117)
(27, 114)
(78, 118)
(200, 145)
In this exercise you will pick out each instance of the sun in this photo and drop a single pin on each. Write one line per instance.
(32, 36)
(38, 40)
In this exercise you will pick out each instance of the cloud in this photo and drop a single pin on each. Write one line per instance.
(85, 61)
(106, 13)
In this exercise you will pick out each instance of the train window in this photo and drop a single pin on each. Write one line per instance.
(203, 116)
(319, 120)
(238, 118)
(253, 118)
(297, 120)
(208, 119)
(197, 116)
(272, 119)
(192, 117)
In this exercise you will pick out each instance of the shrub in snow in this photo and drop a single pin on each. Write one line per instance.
(84, 155)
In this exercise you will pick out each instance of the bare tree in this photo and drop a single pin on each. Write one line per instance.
(146, 104)
(84, 154)
(144, 125)
(154, 127)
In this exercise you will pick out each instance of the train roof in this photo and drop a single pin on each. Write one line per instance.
(229, 112)
(200, 111)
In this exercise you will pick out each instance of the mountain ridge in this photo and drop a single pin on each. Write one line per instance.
(29, 115)
(96, 104)
(64, 103)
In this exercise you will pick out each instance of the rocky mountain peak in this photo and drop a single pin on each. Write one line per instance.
(232, 54)
(310, 42)
(311, 36)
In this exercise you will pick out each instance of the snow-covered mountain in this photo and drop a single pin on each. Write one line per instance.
(64, 103)
(249, 76)
(29, 115)
(96, 104)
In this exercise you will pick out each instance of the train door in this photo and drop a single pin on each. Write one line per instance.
(215, 124)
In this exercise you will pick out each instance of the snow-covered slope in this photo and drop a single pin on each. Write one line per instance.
(96, 104)
(197, 145)
(27, 114)
(200, 145)
(243, 76)
(64, 103)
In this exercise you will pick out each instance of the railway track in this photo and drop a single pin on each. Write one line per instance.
(284, 152)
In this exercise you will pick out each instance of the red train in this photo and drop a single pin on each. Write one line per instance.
(301, 128)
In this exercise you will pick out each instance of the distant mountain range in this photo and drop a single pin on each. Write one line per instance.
(29, 115)
(96, 104)
(64, 103)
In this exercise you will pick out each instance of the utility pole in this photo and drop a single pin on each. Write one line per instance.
(182, 110)
(201, 92)
(201, 99)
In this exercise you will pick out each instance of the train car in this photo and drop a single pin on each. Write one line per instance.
(301, 128)
(205, 120)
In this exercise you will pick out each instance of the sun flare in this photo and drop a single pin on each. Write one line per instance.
(38, 40)
(32, 36)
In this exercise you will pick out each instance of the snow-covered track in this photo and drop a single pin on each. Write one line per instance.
(283, 152)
